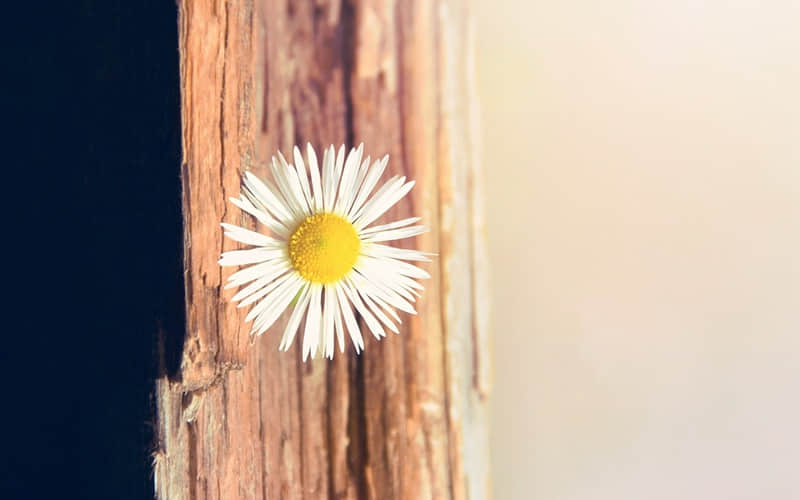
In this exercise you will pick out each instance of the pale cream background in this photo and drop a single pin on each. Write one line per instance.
(643, 179)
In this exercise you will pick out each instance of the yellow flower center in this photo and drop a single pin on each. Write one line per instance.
(324, 248)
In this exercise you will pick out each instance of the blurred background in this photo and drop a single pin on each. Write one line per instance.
(643, 168)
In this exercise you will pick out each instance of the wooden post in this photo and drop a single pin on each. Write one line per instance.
(408, 417)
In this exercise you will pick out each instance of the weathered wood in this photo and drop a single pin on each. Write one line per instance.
(406, 419)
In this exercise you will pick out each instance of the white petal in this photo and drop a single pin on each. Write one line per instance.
(266, 193)
(388, 265)
(390, 186)
(337, 317)
(291, 191)
(273, 272)
(379, 204)
(405, 293)
(329, 180)
(350, 319)
(297, 189)
(396, 234)
(250, 273)
(262, 216)
(391, 269)
(409, 284)
(250, 256)
(347, 190)
(389, 279)
(302, 175)
(387, 307)
(380, 296)
(327, 323)
(337, 168)
(402, 286)
(313, 322)
(368, 300)
(376, 287)
(296, 179)
(280, 302)
(347, 208)
(391, 225)
(313, 167)
(392, 284)
(370, 181)
(378, 250)
(276, 285)
(362, 172)
(258, 289)
(262, 270)
(358, 185)
(369, 318)
(294, 320)
(249, 237)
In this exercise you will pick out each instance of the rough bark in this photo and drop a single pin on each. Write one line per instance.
(407, 418)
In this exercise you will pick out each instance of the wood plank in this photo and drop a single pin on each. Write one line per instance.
(406, 419)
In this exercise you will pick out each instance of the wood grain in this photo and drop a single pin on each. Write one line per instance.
(408, 418)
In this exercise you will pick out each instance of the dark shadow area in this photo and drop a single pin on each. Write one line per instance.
(93, 227)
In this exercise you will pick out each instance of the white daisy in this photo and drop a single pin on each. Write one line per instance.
(322, 254)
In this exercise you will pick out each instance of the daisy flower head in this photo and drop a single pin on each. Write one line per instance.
(323, 256)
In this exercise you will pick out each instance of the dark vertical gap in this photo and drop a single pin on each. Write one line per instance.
(399, 23)
(262, 437)
(301, 367)
(357, 451)
(347, 34)
(329, 387)
(171, 312)
(192, 438)
(261, 24)
(93, 106)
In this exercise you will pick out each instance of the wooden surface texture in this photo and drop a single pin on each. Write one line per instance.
(406, 419)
